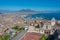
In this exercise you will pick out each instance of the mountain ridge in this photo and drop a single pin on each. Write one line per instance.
(29, 11)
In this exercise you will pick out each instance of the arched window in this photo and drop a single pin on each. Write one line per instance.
(46, 27)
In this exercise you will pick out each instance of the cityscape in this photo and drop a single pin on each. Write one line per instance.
(30, 20)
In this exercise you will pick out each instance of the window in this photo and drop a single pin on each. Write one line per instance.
(46, 27)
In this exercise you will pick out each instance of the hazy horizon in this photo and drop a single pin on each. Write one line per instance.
(38, 5)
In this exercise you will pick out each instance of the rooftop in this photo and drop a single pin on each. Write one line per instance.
(32, 36)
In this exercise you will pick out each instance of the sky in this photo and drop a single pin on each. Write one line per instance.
(40, 5)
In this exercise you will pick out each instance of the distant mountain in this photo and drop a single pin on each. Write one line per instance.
(27, 10)
(33, 11)
(22, 10)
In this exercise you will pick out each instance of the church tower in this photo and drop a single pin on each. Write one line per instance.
(53, 21)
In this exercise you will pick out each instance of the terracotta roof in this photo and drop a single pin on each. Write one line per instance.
(32, 36)
(37, 21)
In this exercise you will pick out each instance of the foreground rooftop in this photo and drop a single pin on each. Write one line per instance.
(32, 36)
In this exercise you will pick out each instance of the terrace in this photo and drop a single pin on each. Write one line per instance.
(32, 36)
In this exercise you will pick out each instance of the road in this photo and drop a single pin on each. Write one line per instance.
(19, 36)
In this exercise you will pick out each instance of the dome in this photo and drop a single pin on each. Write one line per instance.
(53, 19)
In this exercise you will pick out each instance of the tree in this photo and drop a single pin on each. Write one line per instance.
(44, 37)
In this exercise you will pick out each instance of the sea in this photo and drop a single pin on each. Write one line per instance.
(45, 16)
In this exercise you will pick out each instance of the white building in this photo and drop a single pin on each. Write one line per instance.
(10, 31)
(53, 21)
(26, 27)
(31, 29)
(42, 31)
